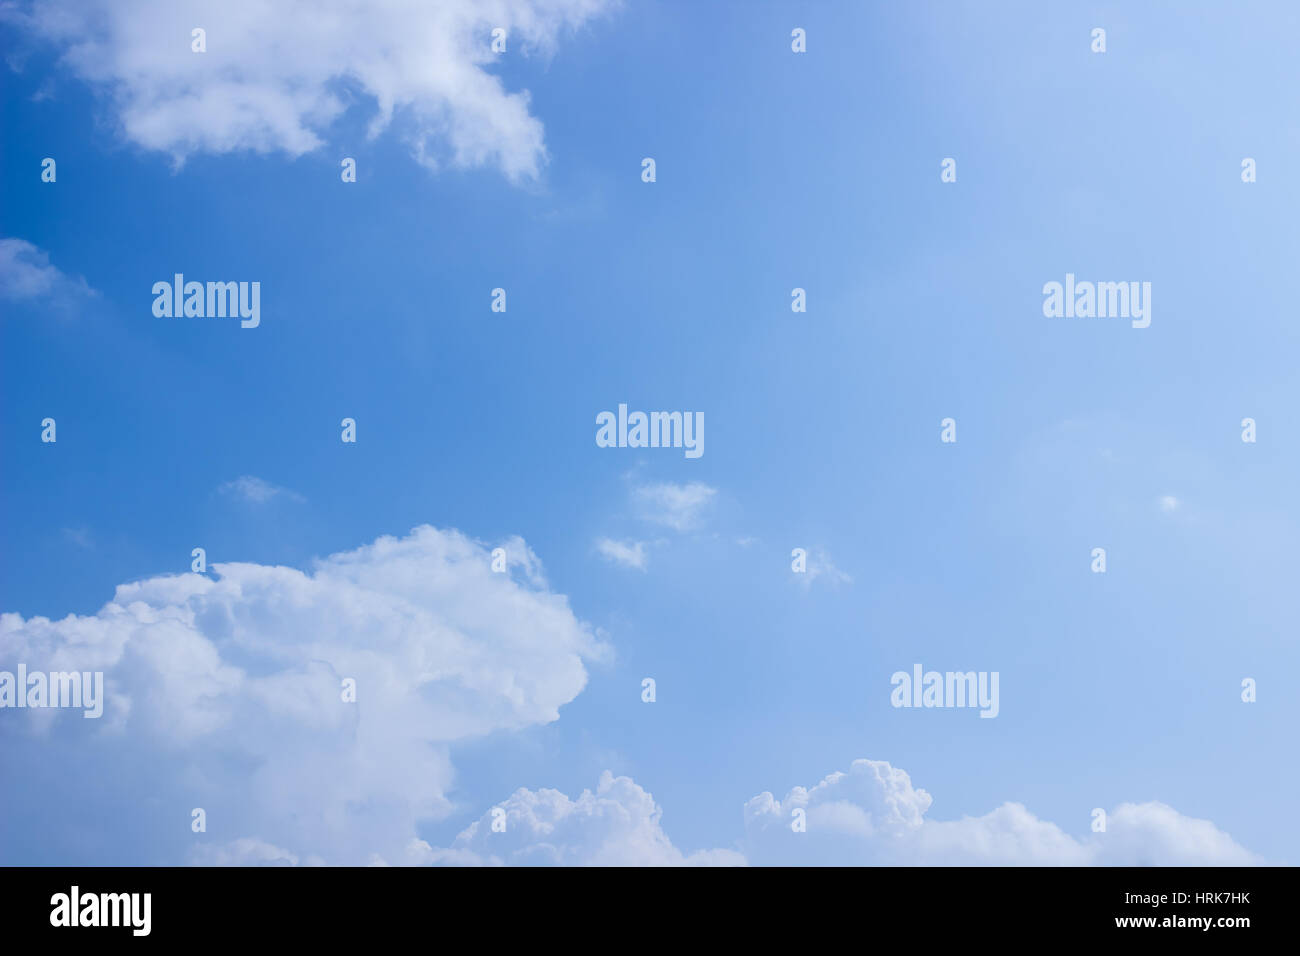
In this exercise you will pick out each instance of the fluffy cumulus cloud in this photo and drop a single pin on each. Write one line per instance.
(276, 75)
(226, 692)
(229, 693)
(873, 815)
(27, 275)
(618, 825)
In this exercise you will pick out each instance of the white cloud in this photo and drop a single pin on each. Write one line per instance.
(1154, 834)
(819, 564)
(247, 851)
(226, 692)
(618, 825)
(680, 507)
(26, 275)
(873, 815)
(1169, 503)
(276, 75)
(630, 554)
(254, 489)
(520, 557)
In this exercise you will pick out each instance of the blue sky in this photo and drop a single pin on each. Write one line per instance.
(775, 170)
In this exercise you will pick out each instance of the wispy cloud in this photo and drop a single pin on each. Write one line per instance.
(630, 554)
(820, 565)
(254, 489)
(680, 507)
(27, 275)
(80, 537)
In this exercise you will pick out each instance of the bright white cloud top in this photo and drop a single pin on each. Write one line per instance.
(274, 76)
(618, 825)
(234, 685)
(873, 815)
(231, 685)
